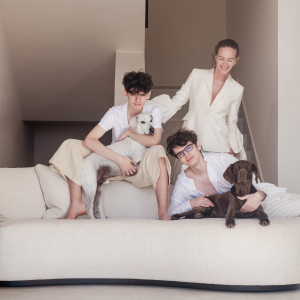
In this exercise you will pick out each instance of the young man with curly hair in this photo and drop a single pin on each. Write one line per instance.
(154, 168)
(202, 174)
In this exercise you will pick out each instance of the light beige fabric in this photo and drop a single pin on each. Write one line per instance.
(149, 170)
(56, 192)
(215, 124)
(134, 203)
(68, 160)
(21, 196)
(287, 207)
(201, 251)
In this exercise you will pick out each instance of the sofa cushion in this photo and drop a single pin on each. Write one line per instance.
(21, 196)
(56, 192)
(121, 199)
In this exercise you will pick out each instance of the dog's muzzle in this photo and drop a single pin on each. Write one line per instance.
(151, 130)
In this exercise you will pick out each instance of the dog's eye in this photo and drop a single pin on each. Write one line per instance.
(151, 120)
(143, 122)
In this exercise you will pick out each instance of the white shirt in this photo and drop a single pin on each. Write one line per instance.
(116, 119)
(217, 163)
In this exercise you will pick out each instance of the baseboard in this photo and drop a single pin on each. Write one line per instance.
(202, 286)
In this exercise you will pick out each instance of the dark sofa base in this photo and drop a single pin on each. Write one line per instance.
(203, 286)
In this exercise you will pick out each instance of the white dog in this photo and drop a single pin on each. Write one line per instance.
(141, 124)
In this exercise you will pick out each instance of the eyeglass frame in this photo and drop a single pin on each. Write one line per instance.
(184, 150)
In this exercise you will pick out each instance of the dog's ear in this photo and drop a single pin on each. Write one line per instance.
(228, 174)
(133, 123)
(255, 170)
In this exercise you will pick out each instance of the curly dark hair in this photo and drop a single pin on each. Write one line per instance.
(136, 82)
(180, 138)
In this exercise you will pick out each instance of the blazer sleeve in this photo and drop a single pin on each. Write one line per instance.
(235, 138)
(171, 106)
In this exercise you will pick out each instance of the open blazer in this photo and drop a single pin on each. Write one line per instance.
(215, 124)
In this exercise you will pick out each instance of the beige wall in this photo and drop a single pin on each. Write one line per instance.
(288, 94)
(182, 36)
(254, 25)
(63, 54)
(16, 138)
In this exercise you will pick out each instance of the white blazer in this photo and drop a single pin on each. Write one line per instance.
(215, 124)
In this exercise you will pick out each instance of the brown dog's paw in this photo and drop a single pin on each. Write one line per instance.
(198, 215)
(174, 217)
(264, 222)
(230, 223)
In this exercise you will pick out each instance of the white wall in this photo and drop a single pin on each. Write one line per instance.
(289, 95)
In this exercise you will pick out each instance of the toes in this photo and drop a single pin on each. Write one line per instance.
(265, 222)
(198, 215)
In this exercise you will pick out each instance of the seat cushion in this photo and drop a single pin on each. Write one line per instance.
(21, 196)
(121, 199)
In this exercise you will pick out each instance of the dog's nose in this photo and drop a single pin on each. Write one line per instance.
(242, 173)
(151, 130)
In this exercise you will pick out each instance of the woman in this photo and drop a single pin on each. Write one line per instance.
(215, 98)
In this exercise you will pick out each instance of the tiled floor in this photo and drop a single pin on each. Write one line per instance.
(108, 292)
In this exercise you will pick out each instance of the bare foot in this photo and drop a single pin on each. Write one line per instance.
(76, 209)
(164, 216)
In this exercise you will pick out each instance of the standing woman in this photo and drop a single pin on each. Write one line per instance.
(215, 98)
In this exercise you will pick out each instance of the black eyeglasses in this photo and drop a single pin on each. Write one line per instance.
(188, 148)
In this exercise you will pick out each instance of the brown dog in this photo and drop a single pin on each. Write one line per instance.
(227, 205)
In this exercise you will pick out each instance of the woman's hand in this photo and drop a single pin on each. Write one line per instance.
(253, 201)
(124, 135)
(232, 153)
(201, 201)
(126, 165)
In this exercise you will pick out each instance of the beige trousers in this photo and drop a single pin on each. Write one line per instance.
(68, 160)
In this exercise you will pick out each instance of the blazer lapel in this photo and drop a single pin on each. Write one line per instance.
(226, 88)
(209, 77)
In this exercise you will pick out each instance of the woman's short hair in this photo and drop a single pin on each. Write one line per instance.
(180, 138)
(225, 43)
(136, 82)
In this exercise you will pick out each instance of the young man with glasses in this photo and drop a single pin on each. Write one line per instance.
(202, 174)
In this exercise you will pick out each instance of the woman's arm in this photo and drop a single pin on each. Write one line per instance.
(92, 142)
(171, 106)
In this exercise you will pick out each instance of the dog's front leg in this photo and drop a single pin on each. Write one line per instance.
(263, 217)
(230, 222)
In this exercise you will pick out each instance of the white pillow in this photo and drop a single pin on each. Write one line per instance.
(56, 192)
(21, 196)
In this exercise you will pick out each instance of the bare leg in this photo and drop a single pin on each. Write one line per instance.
(162, 190)
(77, 206)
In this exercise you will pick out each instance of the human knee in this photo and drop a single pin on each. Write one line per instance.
(69, 142)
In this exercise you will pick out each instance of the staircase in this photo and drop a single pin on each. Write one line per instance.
(175, 123)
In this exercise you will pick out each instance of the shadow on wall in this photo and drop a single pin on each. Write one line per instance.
(85, 100)
(48, 136)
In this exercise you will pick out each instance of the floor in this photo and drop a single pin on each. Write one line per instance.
(108, 292)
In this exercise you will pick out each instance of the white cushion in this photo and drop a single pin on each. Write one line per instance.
(56, 192)
(121, 199)
(21, 196)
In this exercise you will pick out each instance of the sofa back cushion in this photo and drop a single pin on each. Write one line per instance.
(56, 192)
(121, 199)
(21, 196)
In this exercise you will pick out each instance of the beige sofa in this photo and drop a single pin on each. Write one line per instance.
(129, 245)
